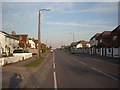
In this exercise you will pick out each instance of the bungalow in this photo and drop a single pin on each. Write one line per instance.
(79, 46)
(83, 44)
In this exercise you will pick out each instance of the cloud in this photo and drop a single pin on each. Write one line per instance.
(77, 24)
(101, 7)
(60, 0)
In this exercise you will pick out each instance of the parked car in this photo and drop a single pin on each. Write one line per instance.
(20, 51)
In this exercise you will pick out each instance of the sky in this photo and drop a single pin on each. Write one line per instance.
(84, 19)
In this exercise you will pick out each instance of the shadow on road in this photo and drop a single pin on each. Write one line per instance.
(15, 80)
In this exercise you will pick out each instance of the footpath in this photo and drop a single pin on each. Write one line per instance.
(15, 75)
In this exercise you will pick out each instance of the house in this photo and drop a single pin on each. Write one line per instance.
(80, 44)
(23, 43)
(0, 50)
(105, 37)
(115, 37)
(36, 42)
(83, 44)
(80, 47)
(94, 40)
(8, 42)
(31, 43)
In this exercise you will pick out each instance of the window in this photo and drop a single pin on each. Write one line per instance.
(114, 38)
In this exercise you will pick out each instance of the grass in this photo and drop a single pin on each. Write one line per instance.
(35, 63)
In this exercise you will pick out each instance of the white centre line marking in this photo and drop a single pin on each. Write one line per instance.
(54, 65)
(104, 73)
(55, 81)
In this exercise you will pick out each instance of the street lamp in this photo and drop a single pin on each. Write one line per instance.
(39, 41)
(73, 36)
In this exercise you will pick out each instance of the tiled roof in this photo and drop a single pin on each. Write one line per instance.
(96, 35)
(116, 29)
(83, 42)
(106, 33)
(8, 35)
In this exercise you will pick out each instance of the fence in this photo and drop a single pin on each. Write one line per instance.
(108, 52)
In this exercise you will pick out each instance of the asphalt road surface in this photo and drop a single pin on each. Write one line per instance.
(62, 69)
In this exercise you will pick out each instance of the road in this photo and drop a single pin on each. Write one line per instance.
(62, 69)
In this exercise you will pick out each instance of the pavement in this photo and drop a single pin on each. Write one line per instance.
(62, 69)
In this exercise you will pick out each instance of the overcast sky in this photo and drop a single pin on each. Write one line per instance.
(83, 18)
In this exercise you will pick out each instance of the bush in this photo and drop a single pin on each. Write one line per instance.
(34, 53)
(43, 50)
(102, 44)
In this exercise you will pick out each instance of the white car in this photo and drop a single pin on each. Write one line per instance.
(51, 50)
(22, 53)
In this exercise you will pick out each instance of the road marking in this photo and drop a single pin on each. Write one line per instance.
(83, 63)
(55, 81)
(104, 73)
(54, 65)
(95, 59)
(53, 57)
(79, 61)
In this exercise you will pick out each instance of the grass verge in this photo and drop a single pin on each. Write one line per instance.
(35, 63)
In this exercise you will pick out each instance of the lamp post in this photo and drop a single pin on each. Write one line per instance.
(39, 41)
(73, 36)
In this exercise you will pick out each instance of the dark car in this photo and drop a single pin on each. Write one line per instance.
(20, 51)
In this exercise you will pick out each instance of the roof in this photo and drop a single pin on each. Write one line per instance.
(12, 37)
(35, 41)
(96, 35)
(21, 35)
(106, 33)
(83, 42)
(8, 35)
(74, 43)
(117, 29)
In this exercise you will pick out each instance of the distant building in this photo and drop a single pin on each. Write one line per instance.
(23, 43)
(36, 42)
(81, 44)
(31, 43)
(115, 37)
(8, 42)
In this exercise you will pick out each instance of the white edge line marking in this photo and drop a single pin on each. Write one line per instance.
(80, 62)
(95, 59)
(104, 73)
(55, 81)
(83, 63)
